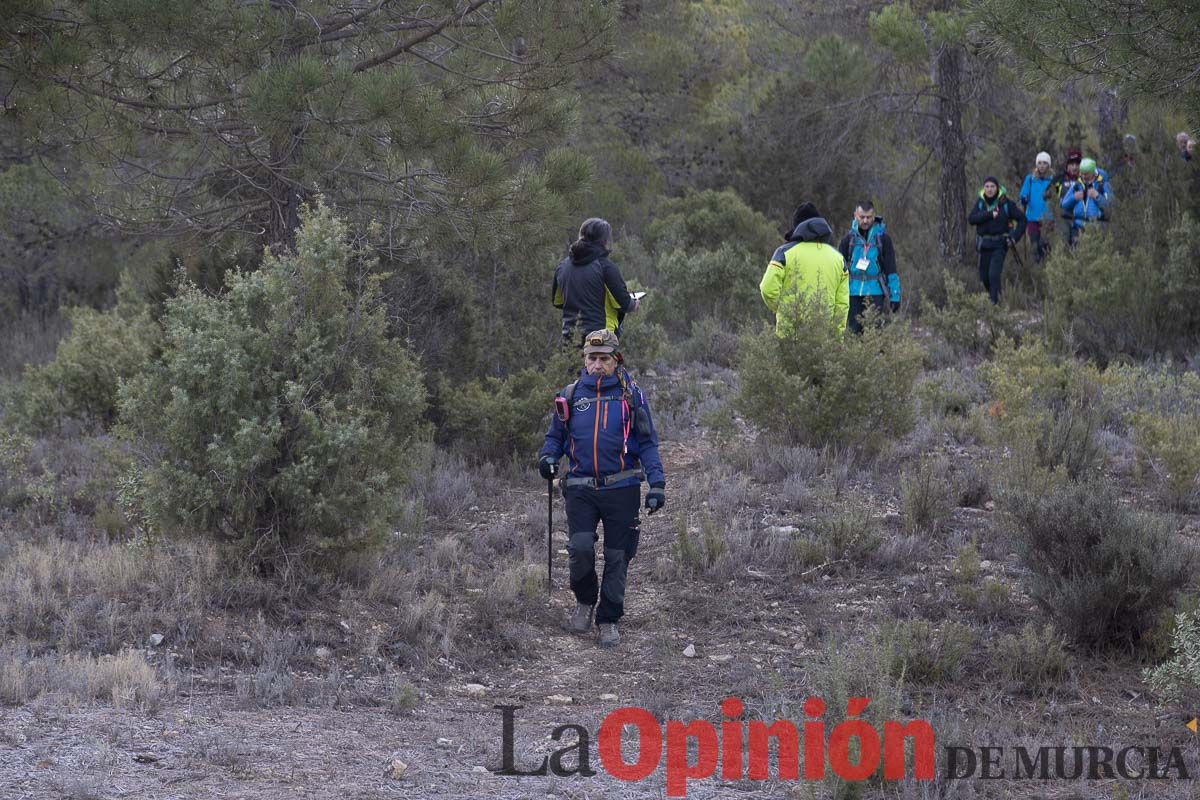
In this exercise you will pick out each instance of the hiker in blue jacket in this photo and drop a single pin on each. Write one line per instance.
(1038, 196)
(870, 261)
(602, 424)
(1088, 199)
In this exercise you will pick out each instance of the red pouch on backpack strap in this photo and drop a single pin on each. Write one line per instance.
(562, 409)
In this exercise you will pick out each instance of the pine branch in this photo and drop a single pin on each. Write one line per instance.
(409, 44)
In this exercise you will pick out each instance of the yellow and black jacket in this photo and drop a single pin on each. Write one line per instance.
(806, 266)
(590, 290)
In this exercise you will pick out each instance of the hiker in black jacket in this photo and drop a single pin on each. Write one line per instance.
(999, 224)
(588, 287)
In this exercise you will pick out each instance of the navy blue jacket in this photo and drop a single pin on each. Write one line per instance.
(601, 437)
(1009, 223)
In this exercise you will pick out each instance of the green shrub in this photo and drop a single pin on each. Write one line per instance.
(1036, 659)
(1180, 675)
(699, 554)
(968, 321)
(710, 250)
(925, 495)
(1103, 303)
(709, 220)
(916, 651)
(1131, 390)
(840, 539)
(709, 342)
(1102, 572)
(103, 349)
(972, 488)
(1046, 410)
(815, 387)
(949, 392)
(1171, 451)
(502, 418)
(279, 414)
(698, 284)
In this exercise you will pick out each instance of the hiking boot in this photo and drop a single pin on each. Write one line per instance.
(580, 620)
(608, 634)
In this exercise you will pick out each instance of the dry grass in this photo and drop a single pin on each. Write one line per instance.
(925, 494)
(125, 680)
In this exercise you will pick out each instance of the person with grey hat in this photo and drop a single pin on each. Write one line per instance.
(602, 424)
(588, 287)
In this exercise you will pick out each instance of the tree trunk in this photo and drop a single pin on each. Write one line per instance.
(952, 147)
(285, 194)
(286, 149)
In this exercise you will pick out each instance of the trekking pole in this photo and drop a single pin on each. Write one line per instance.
(549, 538)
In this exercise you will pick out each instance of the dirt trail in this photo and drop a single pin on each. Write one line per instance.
(755, 637)
(208, 744)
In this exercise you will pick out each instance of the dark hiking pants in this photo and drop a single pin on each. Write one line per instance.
(1040, 245)
(991, 267)
(858, 306)
(618, 510)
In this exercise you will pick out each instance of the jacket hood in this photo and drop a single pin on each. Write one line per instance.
(1003, 192)
(811, 230)
(878, 224)
(585, 252)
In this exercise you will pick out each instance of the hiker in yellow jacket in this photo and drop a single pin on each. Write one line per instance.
(806, 266)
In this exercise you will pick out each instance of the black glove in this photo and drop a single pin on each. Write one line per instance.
(656, 498)
(895, 306)
(548, 467)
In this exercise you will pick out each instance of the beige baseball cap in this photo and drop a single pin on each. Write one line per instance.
(601, 341)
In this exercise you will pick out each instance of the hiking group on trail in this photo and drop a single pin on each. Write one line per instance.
(602, 421)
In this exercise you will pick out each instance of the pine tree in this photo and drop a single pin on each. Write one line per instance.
(1144, 48)
(223, 115)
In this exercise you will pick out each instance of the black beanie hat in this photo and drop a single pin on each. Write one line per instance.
(992, 179)
(806, 211)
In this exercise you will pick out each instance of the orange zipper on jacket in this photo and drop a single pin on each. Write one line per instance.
(596, 436)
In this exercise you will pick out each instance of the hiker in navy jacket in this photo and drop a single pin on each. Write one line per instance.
(602, 424)
(999, 224)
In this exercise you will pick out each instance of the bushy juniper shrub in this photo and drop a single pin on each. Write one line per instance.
(1170, 452)
(968, 321)
(1101, 571)
(697, 284)
(1046, 410)
(501, 418)
(280, 413)
(817, 387)
(1105, 301)
(709, 250)
(102, 349)
(707, 220)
